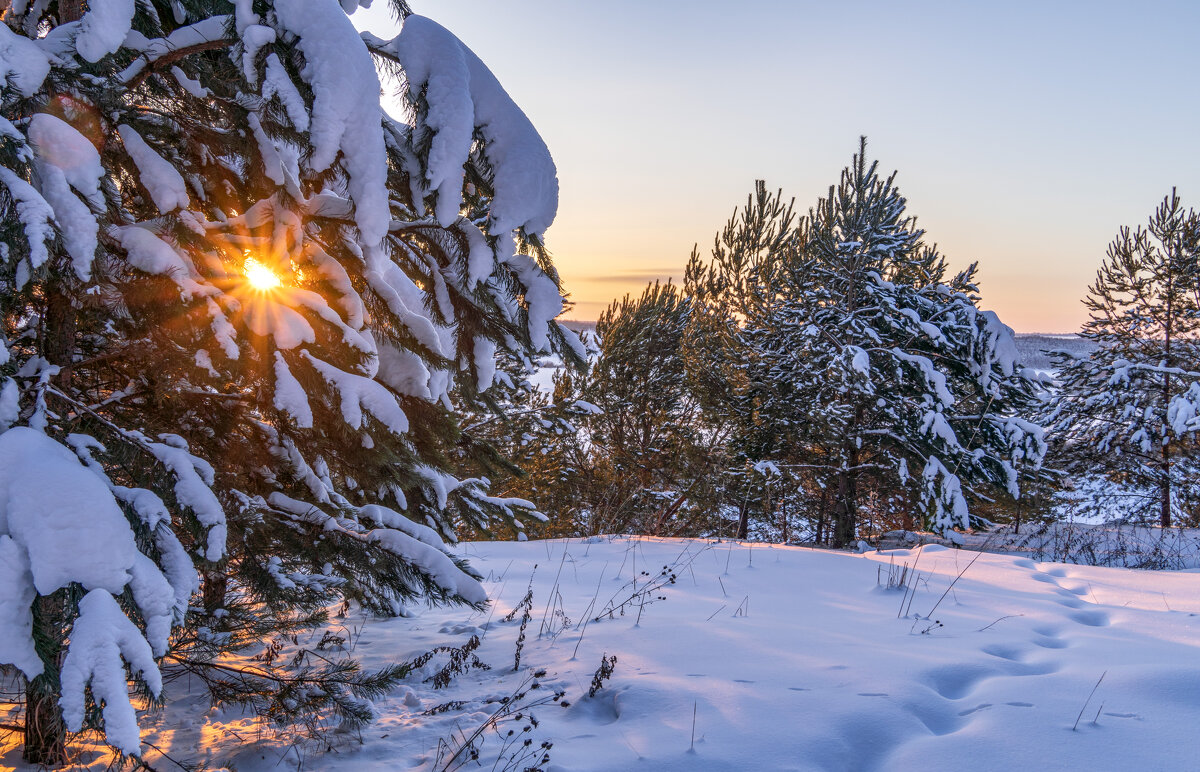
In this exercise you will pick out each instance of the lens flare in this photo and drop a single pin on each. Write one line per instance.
(259, 276)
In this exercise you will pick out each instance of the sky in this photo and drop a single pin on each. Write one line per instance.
(1025, 133)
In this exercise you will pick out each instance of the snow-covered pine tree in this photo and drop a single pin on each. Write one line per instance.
(235, 297)
(1127, 409)
(878, 365)
(651, 465)
(715, 356)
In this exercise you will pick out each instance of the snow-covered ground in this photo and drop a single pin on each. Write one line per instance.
(786, 658)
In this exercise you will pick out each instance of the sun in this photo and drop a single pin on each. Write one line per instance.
(259, 276)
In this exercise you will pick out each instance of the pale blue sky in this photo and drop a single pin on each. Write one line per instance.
(1025, 133)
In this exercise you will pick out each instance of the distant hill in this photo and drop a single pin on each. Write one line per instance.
(579, 326)
(1033, 348)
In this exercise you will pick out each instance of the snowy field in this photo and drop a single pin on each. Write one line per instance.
(786, 658)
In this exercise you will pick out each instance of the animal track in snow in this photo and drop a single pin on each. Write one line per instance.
(1011, 652)
(1091, 618)
(1069, 597)
(953, 682)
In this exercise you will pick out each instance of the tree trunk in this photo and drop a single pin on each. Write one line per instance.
(783, 514)
(59, 331)
(45, 735)
(844, 515)
(212, 594)
(845, 525)
(821, 516)
(1166, 490)
(1166, 431)
(69, 11)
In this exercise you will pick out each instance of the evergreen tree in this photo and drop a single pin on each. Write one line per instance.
(1123, 410)
(716, 357)
(236, 299)
(645, 463)
(869, 363)
(522, 440)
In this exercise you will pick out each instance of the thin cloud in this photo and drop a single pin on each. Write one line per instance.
(646, 275)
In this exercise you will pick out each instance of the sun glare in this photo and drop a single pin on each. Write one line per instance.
(259, 275)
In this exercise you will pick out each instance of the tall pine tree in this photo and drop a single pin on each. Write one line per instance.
(235, 300)
(720, 293)
(1117, 411)
(869, 362)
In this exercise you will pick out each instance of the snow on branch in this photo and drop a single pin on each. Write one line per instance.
(103, 28)
(67, 161)
(399, 536)
(194, 478)
(162, 180)
(23, 64)
(60, 525)
(101, 638)
(37, 218)
(464, 96)
(346, 116)
(204, 35)
(358, 392)
(933, 378)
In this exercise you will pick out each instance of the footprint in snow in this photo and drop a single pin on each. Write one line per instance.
(872, 694)
(1020, 704)
(1091, 618)
(976, 709)
(1012, 653)
(1049, 631)
(953, 682)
